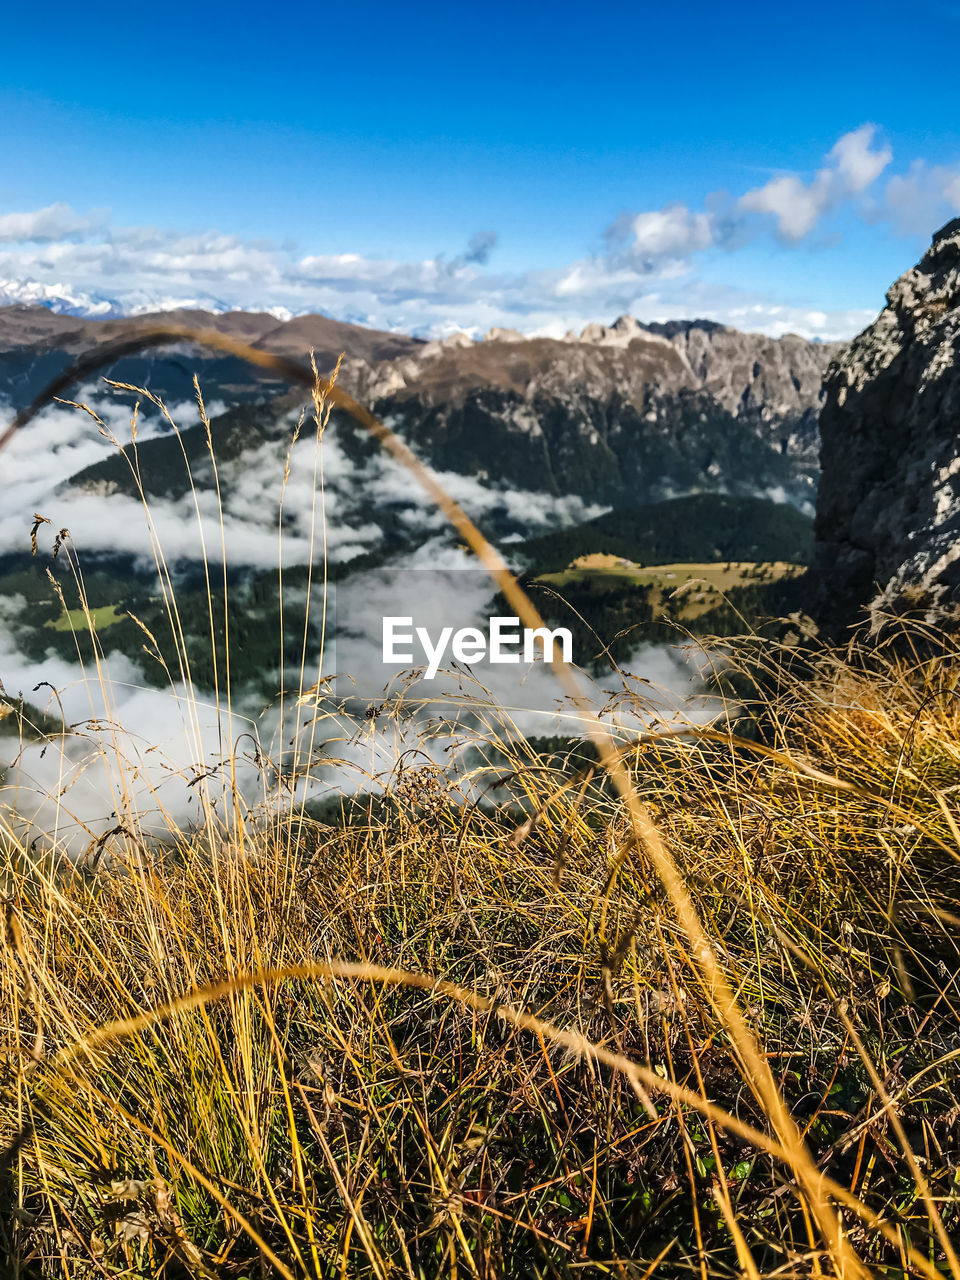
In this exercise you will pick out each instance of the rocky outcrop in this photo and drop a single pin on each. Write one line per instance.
(773, 383)
(623, 413)
(888, 515)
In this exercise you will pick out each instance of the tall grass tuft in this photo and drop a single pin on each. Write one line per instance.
(689, 1008)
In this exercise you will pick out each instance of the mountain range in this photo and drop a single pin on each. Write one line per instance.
(595, 442)
(641, 444)
(652, 442)
(618, 414)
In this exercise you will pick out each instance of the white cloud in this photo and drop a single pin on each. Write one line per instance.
(796, 206)
(677, 232)
(920, 200)
(54, 222)
(852, 165)
(673, 230)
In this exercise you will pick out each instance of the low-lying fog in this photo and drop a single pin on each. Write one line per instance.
(143, 757)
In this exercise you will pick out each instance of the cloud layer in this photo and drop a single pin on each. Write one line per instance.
(140, 749)
(648, 265)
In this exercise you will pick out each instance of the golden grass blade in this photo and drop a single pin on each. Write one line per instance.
(755, 1068)
(573, 1041)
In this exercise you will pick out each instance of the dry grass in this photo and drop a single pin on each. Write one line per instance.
(693, 1014)
(681, 591)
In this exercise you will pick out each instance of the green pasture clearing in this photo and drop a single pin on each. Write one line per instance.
(695, 587)
(76, 619)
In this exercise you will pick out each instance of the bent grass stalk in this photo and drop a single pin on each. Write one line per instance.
(643, 1079)
(756, 1071)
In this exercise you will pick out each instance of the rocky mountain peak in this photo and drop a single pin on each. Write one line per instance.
(774, 378)
(888, 518)
(499, 334)
(624, 412)
(623, 331)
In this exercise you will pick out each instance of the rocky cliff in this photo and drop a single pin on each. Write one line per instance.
(625, 413)
(888, 515)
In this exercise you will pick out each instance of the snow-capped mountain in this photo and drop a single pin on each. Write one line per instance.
(64, 300)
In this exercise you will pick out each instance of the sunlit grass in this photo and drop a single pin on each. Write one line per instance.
(72, 619)
(682, 591)
(703, 1021)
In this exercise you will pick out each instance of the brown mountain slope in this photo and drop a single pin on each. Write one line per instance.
(38, 329)
(743, 372)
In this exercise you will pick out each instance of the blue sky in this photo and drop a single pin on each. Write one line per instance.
(344, 158)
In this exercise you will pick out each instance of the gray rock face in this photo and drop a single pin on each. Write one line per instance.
(888, 516)
(774, 383)
(624, 413)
